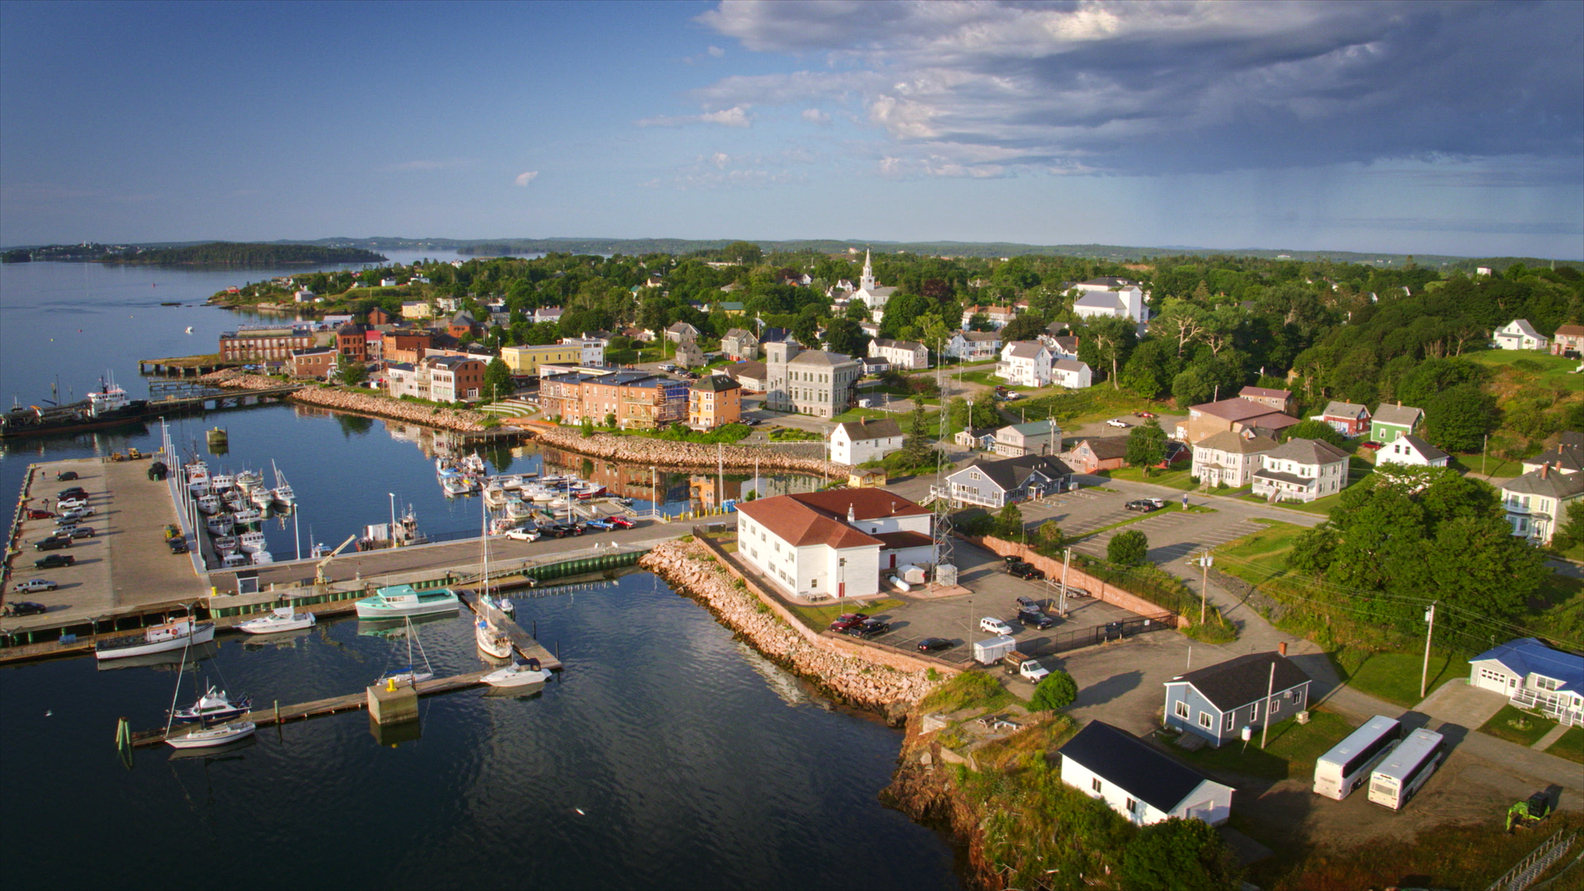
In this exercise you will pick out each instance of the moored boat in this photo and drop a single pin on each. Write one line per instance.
(218, 735)
(282, 494)
(517, 675)
(213, 706)
(209, 503)
(281, 618)
(247, 516)
(492, 640)
(252, 541)
(398, 601)
(172, 635)
(261, 557)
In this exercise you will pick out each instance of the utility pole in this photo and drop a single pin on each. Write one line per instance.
(1270, 688)
(1204, 583)
(1483, 447)
(1424, 676)
(1066, 562)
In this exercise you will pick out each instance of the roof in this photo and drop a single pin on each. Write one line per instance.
(1344, 410)
(981, 336)
(1237, 682)
(1065, 343)
(739, 334)
(820, 518)
(1099, 300)
(1570, 331)
(716, 383)
(899, 345)
(895, 541)
(1231, 441)
(1564, 456)
(1068, 365)
(1523, 327)
(1025, 349)
(681, 328)
(1234, 409)
(1425, 449)
(1307, 451)
(1528, 655)
(1010, 473)
(1553, 484)
(1264, 393)
(1107, 448)
(1032, 428)
(749, 368)
(865, 429)
(1398, 415)
(1128, 762)
(819, 357)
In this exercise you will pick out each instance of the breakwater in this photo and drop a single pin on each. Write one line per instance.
(844, 671)
(459, 419)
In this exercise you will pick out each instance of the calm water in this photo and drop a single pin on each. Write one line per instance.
(695, 763)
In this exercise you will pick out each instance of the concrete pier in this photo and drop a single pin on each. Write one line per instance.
(393, 703)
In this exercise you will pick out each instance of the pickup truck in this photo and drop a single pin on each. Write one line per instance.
(1020, 664)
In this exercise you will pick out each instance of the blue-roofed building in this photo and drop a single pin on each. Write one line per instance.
(1534, 676)
(1138, 781)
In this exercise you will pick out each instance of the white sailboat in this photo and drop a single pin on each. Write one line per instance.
(490, 639)
(282, 493)
(412, 675)
(204, 737)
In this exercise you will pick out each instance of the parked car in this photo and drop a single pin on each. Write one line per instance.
(73, 492)
(24, 608)
(1145, 414)
(53, 543)
(1026, 571)
(523, 534)
(35, 513)
(848, 620)
(561, 530)
(74, 503)
(1034, 618)
(621, 522)
(70, 517)
(51, 561)
(177, 545)
(1144, 504)
(602, 525)
(1027, 603)
(753, 422)
(65, 475)
(1117, 422)
(934, 644)
(869, 628)
(992, 625)
(32, 586)
(82, 532)
(1373, 446)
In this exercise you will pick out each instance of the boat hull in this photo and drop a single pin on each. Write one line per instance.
(516, 676)
(266, 627)
(372, 611)
(213, 736)
(203, 634)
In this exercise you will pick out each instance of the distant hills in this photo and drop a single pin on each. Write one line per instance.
(366, 250)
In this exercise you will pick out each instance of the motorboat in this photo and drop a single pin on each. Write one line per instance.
(172, 635)
(398, 601)
(209, 503)
(262, 497)
(538, 493)
(248, 480)
(281, 618)
(218, 735)
(261, 557)
(222, 482)
(509, 482)
(234, 561)
(517, 675)
(503, 604)
(474, 464)
(282, 494)
(252, 541)
(197, 477)
(492, 640)
(518, 510)
(247, 516)
(234, 499)
(211, 707)
(225, 543)
(219, 524)
(494, 495)
(456, 485)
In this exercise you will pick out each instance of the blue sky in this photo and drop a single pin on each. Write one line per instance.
(1411, 127)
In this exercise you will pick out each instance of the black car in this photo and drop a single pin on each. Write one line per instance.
(1025, 571)
(65, 475)
(1145, 504)
(933, 644)
(869, 628)
(73, 492)
(1033, 618)
(177, 545)
(561, 530)
(53, 543)
(53, 560)
(24, 608)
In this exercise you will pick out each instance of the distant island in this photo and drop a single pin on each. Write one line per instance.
(213, 254)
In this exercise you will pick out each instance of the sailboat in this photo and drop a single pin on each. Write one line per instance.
(205, 736)
(412, 675)
(490, 639)
(282, 493)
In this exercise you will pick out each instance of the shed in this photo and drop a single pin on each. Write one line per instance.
(1139, 782)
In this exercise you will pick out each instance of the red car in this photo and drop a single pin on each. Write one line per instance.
(848, 620)
(621, 522)
(37, 514)
(1145, 414)
(1372, 446)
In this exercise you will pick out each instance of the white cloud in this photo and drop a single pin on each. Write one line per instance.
(736, 116)
(815, 116)
(527, 177)
(716, 51)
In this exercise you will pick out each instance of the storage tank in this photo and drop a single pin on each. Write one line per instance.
(945, 574)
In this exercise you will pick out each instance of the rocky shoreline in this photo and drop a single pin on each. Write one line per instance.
(460, 419)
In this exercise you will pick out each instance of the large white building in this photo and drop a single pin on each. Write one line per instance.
(1113, 297)
(974, 346)
(1229, 458)
(835, 543)
(871, 294)
(1520, 335)
(1025, 363)
(1301, 470)
(855, 442)
(1071, 373)
(900, 353)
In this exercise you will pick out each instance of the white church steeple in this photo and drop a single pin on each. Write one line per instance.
(866, 282)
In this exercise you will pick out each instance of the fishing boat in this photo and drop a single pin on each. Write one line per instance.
(107, 407)
(247, 516)
(494, 495)
(261, 557)
(412, 675)
(234, 561)
(225, 544)
(262, 497)
(209, 503)
(218, 735)
(211, 707)
(248, 480)
(456, 484)
(538, 493)
(281, 618)
(474, 464)
(220, 483)
(252, 541)
(234, 499)
(383, 535)
(518, 510)
(401, 601)
(172, 635)
(517, 675)
(219, 524)
(282, 493)
(501, 525)
(514, 481)
(197, 478)
(319, 551)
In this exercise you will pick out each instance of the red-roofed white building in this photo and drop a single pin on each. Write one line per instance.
(836, 543)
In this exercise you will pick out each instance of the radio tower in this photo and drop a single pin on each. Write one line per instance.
(941, 527)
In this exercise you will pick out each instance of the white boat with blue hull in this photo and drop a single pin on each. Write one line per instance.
(401, 601)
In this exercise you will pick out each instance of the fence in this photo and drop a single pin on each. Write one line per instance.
(1078, 638)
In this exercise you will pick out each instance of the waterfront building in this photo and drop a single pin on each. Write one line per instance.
(638, 400)
(264, 344)
(311, 364)
(1138, 781)
(834, 543)
(855, 442)
(714, 401)
(437, 378)
(352, 342)
(809, 382)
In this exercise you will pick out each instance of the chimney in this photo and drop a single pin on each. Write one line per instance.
(1545, 470)
(851, 514)
(1281, 648)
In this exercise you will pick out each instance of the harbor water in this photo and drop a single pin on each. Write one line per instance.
(666, 755)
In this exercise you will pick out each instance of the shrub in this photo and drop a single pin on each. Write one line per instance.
(1129, 548)
(1054, 691)
(1181, 854)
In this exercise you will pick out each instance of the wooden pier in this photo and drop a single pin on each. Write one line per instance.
(521, 640)
(282, 714)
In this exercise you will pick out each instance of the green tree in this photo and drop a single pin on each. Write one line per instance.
(1312, 429)
(1056, 690)
(1009, 523)
(353, 374)
(498, 380)
(745, 252)
(1572, 531)
(983, 414)
(1459, 418)
(1128, 548)
(1050, 534)
(917, 443)
(844, 336)
(1184, 855)
(1146, 446)
(588, 427)
(1025, 327)
(1105, 344)
(610, 420)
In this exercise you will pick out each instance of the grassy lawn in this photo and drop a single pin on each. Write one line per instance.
(794, 434)
(1515, 725)
(1394, 677)
(971, 689)
(1570, 746)
(1544, 369)
(1176, 479)
(819, 616)
(1491, 466)
(1261, 554)
(1557, 609)
(1290, 754)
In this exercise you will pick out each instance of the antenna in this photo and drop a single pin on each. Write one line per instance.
(940, 529)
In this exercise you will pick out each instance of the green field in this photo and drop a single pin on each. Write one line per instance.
(1532, 367)
(1570, 746)
(1517, 726)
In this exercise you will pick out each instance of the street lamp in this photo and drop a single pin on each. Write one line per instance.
(393, 518)
(841, 577)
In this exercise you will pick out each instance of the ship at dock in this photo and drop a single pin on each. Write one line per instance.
(106, 407)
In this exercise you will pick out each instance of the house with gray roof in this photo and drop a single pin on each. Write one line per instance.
(1346, 418)
(865, 439)
(1566, 455)
(1533, 676)
(981, 438)
(1097, 453)
(1217, 701)
(1391, 421)
(974, 346)
(1071, 373)
(739, 344)
(1025, 363)
(900, 353)
(1301, 470)
(1030, 438)
(1412, 451)
(995, 484)
(1537, 502)
(681, 331)
(1139, 781)
(1229, 458)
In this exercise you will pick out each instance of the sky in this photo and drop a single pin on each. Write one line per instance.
(1382, 126)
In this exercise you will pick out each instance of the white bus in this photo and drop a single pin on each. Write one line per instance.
(1349, 763)
(1395, 782)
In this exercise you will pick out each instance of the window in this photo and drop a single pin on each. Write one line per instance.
(1205, 720)
(1132, 806)
(1254, 712)
(1095, 784)
(1181, 709)
(1229, 722)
